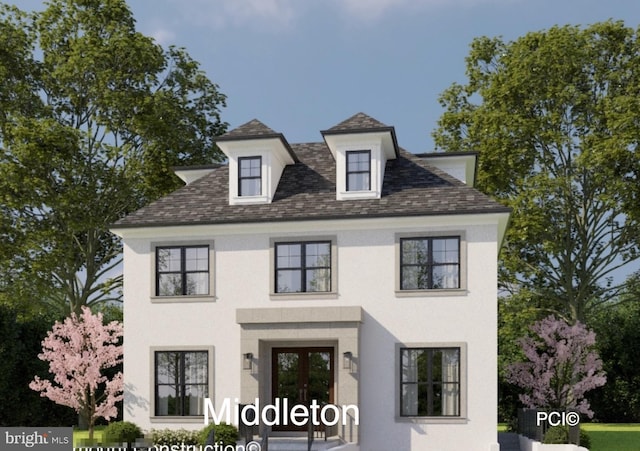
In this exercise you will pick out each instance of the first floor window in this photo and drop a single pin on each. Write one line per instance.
(303, 267)
(182, 270)
(430, 382)
(181, 382)
(429, 263)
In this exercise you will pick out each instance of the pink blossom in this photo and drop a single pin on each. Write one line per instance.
(562, 365)
(78, 350)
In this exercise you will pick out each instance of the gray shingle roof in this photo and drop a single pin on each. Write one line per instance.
(307, 191)
(253, 128)
(362, 123)
(358, 121)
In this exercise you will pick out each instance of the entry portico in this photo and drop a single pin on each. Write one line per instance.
(302, 353)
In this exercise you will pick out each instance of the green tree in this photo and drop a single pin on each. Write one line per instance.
(516, 313)
(20, 344)
(93, 115)
(618, 330)
(554, 117)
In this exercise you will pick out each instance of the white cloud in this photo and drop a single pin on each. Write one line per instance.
(368, 10)
(372, 10)
(266, 14)
(278, 15)
(277, 11)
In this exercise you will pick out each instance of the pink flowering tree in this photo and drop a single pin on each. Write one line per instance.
(562, 365)
(78, 350)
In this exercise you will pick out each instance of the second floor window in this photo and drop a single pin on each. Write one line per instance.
(303, 267)
(359, 170)
(250, 176)
(429, 263)
(182, 270)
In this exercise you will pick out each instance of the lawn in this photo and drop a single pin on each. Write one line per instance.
(608, 436)
(81, 438)
(613, 437)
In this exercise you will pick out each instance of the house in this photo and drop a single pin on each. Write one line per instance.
(346, 272)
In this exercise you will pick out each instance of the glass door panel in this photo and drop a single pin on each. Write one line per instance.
(319, 376)
(302, 375)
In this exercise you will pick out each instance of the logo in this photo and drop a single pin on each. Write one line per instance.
(38, 439)
(280, 413)
(558, 418)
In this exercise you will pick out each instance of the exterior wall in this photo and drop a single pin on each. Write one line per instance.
(366, 265)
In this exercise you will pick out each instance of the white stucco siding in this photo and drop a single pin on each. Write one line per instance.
(175, 325)
(469, 319)
(366, 277)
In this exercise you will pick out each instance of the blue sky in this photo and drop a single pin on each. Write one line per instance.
(301, 66)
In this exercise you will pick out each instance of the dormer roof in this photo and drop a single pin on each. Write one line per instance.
(357, 122)
(363, 123)
(254, 129)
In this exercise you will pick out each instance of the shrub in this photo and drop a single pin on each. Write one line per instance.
(512, 424)
(556, 435)
(560, 435)
(171, 437)
(225, 434)
(122, 432)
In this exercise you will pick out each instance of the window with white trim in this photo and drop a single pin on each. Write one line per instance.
(358, 170)
(249, 176)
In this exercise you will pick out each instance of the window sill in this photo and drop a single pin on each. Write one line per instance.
(176, 419)
(431, 293)
(303, 296)
(181, 299)
(432, 420)
(348, 195)
(249, 200)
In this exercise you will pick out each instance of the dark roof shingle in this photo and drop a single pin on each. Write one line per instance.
(252, 129)
(358, 121)
(307, 191)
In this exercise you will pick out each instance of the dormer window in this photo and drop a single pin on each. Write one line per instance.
(361, 147)
(249, 176)
(358, 170)
(257, 157)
